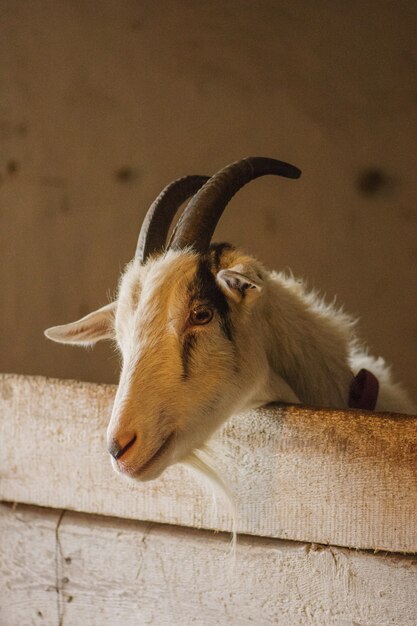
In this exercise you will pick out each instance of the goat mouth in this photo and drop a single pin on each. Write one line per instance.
(138, 471)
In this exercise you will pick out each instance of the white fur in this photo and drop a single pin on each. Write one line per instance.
(288, 346)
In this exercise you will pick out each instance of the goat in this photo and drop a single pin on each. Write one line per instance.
(205, 331)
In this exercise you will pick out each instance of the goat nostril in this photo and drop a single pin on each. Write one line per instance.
(117, 448)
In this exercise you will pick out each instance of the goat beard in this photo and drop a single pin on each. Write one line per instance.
(202, 463)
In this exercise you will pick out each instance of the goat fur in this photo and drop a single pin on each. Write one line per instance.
(285, 344)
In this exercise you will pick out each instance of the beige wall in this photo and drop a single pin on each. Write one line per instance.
(102, 103)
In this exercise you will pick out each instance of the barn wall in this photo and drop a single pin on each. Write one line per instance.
(102, 104)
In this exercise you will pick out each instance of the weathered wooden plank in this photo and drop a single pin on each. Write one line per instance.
(28, 577)
(325, 476)
(110, 571)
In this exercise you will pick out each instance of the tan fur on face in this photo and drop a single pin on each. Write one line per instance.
(152, 397)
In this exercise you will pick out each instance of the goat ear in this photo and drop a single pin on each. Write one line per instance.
(88, 330)
(240, 283)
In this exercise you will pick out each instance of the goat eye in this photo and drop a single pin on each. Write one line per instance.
(200, 315)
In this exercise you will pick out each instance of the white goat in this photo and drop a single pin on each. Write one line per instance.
(206, 332)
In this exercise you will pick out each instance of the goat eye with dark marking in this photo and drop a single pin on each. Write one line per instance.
(200, 315)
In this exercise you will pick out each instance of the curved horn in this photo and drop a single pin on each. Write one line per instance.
(155, 226)
(199, 219)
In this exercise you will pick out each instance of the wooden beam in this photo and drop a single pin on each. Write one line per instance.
(81, 569)
(344, 478)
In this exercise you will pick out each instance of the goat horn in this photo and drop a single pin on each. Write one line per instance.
(199, 219)
(154, 231)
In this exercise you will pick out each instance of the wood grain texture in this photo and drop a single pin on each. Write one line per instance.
(325, 476)
(28, 554)
(111, 572)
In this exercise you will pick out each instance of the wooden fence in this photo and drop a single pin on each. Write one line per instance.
(326, 516)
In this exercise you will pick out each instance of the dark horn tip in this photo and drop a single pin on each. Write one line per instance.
(267, 165)
(295, 172)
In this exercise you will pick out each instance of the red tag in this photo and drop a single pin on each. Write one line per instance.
(363, 392)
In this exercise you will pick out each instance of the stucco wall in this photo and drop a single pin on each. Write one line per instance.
(102, 103)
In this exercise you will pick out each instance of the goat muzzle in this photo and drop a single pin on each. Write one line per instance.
(120, 445)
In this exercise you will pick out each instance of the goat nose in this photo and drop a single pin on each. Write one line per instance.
(118, 447)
